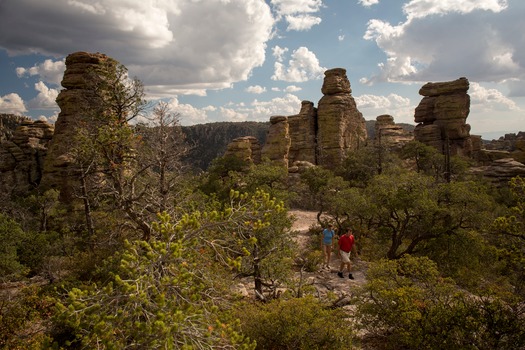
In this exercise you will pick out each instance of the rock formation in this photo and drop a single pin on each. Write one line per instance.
(22, 156)
(389, 134)
(508, 146)
(441, 116)
(246, 148)
(501, 171)
(318, 136)
(78, 104)
(277, 143)
(341, 127)
(303, 129)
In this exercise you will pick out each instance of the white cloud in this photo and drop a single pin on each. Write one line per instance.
(189, 114)
(12, 104)
(261, 110)
(341, 37)
(255, 89)
(292, 88)
(46, 98)
(298, 13)
(395, 105)
(279, 52)
(181, 45)
(424, 8)
(49, 71)
(302, 22)
(290, 7)
(303, 66)
(368, 3)
(483, 99)
(443, 40)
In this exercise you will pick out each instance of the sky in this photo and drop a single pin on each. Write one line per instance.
(248, 60)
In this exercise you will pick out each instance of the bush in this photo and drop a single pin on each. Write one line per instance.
(300, 323)
(11, 236)
(407, 305)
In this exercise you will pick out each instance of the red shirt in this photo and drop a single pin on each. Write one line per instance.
(346, 243)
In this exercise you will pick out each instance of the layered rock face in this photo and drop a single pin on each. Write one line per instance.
(303, 129)
(508, 146)
(341, 127)
(246, 148)
(389, 134)
(500, 171)
(22, 156)
(441, 116)
(78, 104)
(277, 145)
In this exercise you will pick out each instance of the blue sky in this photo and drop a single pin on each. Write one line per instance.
(246, 60)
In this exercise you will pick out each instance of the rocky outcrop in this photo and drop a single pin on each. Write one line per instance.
(441, 117)
(508, 146)
(319, 136)
(246, 148)
(277, 144)
(22, 156)
(78, 104)
(389, 134)
(341, 127)
(501, 171)
(303, 129)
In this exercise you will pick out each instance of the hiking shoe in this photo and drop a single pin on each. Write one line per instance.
(349, 276)
(340, 274)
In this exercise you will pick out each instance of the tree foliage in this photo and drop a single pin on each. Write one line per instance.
(408, 305)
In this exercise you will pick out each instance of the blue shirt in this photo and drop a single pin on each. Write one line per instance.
(328, 236)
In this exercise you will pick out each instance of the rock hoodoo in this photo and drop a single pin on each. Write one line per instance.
(78, 104)
(341, 127)
(277, 143)
(319, 136)
(246, 148)
(303, 130)
(389, 134)
(441, 117)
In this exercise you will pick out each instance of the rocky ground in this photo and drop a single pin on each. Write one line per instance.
(323, 280)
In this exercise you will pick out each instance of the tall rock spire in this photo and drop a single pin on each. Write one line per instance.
(341, 127)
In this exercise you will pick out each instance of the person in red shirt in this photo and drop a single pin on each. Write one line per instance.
(346, 244)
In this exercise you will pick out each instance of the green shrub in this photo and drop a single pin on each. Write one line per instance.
(300, 323)
(11, 236)
(407, 305)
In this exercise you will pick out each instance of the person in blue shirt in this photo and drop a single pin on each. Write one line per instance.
(327, 242)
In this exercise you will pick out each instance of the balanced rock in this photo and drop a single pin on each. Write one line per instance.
(441, 116)
(341, 127)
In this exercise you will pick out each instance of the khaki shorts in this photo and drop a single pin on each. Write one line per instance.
(345, 257)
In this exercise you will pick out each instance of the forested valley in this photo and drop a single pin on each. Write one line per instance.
(140, 251)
